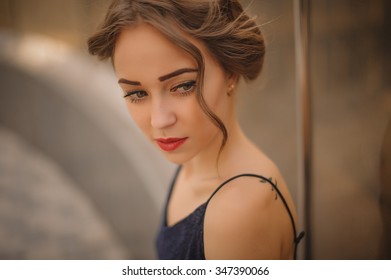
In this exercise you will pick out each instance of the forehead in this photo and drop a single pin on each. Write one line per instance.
(143, 47)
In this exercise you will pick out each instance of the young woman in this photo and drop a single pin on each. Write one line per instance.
(178, 64)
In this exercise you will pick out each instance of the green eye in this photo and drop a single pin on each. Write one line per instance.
(136, 96)
(184, 88)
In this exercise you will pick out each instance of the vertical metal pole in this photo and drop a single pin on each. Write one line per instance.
(302, 33)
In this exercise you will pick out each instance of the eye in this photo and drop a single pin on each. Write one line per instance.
(136, 95)
(184, 88)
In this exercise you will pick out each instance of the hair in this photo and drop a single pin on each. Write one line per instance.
(229, 34)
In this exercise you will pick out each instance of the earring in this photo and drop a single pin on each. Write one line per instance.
(230, 89)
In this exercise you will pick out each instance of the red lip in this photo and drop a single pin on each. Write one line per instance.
(170, 144)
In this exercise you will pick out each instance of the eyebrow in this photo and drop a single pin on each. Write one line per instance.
(162, 78)
(125, 81)
(177, 73)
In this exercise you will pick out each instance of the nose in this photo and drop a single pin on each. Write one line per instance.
(162, 114)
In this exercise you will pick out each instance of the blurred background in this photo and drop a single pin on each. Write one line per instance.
(77, 180)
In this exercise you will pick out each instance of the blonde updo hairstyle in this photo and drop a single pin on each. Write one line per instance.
(229, 34)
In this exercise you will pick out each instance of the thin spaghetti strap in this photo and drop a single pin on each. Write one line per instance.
(296, 239)
(173, 182)
(170, 193)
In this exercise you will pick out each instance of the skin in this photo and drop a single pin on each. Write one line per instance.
(243, 220)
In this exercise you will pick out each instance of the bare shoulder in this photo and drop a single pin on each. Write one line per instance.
(246, 219)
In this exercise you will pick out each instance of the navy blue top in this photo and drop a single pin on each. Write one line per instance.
(185, 239)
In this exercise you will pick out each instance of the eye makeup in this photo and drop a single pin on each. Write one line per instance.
(136, 96)
(181, 89)
(185, 88)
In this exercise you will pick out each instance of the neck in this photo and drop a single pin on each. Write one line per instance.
(212, 164)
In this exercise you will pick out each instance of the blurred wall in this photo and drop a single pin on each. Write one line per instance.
(351, 107)
(70, 21)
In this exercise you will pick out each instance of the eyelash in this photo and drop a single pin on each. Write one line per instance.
(131, 95)
(191, 85)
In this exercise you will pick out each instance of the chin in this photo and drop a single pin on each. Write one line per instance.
(178, 159)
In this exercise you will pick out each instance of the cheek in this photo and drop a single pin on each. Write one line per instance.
(140, 116)
(215, 90)
(216, 100)
(197, 120)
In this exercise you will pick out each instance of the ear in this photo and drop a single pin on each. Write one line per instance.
(232, 79)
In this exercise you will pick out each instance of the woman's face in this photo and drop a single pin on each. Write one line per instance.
(158, 79)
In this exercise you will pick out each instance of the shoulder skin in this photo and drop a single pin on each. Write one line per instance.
(246, 219)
